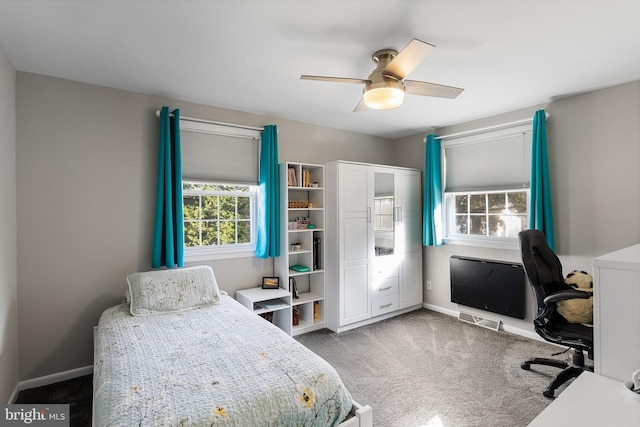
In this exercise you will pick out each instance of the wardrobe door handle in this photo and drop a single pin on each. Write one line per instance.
(369, 214)
(385, 289)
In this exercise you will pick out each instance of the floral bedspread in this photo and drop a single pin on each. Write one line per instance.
(218, 365)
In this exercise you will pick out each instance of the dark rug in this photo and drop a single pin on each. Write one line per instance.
(77, 392)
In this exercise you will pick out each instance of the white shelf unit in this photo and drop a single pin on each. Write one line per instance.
(300, 245)
(262, 301)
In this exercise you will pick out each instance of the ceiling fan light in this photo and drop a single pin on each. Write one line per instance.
(384, 98)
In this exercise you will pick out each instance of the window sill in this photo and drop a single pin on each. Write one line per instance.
(212, 255)
(510, 244)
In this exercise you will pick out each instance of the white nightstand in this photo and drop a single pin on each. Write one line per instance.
(265, 301)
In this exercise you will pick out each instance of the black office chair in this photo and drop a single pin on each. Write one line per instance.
(544, 271)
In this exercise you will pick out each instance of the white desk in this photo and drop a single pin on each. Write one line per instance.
(592, 401)
(616, 313)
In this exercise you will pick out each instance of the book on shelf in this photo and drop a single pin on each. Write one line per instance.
(271, 304)
(305, 178)
(291, 178)
(267, 316)
(316, 253)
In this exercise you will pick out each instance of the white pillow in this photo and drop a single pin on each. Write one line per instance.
(165, 291)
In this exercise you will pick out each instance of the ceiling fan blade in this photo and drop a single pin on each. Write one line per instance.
(361, 106)
(334, 79)
(409, 58)
(415, 87)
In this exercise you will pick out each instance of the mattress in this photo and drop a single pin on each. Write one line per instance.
(216, 365)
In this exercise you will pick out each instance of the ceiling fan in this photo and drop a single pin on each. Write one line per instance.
(386, 85)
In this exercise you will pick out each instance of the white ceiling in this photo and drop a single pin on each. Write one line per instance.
(248, 55)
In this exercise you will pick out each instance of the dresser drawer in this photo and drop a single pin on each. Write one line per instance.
(385, 287)
(384, 305)
(383, 268)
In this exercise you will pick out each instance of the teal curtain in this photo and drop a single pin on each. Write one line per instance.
(432, 210)
(268, 239)
(540, 209)
(168, 232)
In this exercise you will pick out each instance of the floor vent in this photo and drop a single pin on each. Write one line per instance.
(476, 320)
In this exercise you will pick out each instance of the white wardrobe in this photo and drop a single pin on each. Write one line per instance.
(374, 243)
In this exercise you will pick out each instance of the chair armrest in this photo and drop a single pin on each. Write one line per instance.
(565, 295)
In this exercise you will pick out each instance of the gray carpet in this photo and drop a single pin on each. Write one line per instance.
(429, 369)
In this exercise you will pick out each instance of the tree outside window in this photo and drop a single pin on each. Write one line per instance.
(218, 214)
(499, 214)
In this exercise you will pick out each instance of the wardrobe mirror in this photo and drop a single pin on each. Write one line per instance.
(383, 219)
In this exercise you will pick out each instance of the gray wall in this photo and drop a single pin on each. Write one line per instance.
(594, 155)
(86, 160)
(85, 165)
(8, 252)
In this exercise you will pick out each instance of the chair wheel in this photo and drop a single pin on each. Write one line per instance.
(525, 366)
(548, 393)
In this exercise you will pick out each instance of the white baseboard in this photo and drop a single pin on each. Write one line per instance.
(50, 379)
(511, 329)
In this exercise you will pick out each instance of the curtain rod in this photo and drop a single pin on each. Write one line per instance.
(488, 128)
(212, 122)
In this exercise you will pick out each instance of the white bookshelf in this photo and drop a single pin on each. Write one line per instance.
(302, 201)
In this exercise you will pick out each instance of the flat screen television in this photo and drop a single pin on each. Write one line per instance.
(495, 286)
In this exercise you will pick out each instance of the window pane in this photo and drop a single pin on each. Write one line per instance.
(244, 232)
(209, 233)
(515, 224)
(478, 225)
(523, 225)
(478, 203)
(496, 202)
(191, 208)
(462, 227)
(192, 234)
(461, 204)
(189, 185)
(227, 207)
(227, 232)
(209, 207)
(496, 226)
(518, 202)
(244, 208)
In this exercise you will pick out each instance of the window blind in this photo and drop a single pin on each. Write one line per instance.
(231, 155)
(491, 161)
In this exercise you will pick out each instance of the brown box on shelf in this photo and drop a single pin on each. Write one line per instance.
(298, 205)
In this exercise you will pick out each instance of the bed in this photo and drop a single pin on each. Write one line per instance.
(179, 352)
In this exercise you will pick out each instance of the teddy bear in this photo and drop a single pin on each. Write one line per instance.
(578, 310)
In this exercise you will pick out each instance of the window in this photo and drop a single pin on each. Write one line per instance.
(219, 191)
(496, 213)
(218, 214)
(486, 185)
